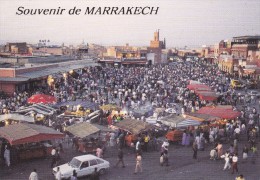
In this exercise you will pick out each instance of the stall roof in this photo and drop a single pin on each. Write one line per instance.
(223, 112)
(83, 129)
(207, 95)
(171, 120)
(39, 108)
(198, 86)
(28, 133)
(13, 79)
(134, 126)
(16, 117)
(201, 117)
(187, 123)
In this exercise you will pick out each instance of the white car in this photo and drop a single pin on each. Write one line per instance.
(84, 165)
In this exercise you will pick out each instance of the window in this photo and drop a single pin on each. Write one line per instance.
(84, 164)
(99, 161)
(93, 162)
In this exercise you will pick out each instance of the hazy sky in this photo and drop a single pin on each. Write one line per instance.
(181, 22)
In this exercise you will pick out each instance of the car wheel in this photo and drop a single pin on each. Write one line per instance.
(102, 171)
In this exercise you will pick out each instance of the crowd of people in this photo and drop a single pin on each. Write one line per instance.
(160, 86)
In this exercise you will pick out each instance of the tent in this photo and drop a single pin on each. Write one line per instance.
(198, 86)
(203, 91)
(171, 120)
(16, 117)
(224, 112)
(83, 129)
(201, 117)
(207, 95)
(133, 126)
(28, 133)
(38, 108)
(187, 123)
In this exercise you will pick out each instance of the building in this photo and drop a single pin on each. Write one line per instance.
(47, 51)
(16, 48)
(155, 50)
(82, 50)
(156, 43)
(223, 47)
(184, 53)
(226, 63)
(242, 44)
(31, 76)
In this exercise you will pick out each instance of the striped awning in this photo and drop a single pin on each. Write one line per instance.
(187, 123)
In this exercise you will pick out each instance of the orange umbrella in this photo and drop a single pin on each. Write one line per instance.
(41, 98)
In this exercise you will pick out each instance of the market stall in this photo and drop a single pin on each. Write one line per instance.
(134, 127)
(177, 125)
(9, 118)
(88, 136)
(201, 117)
(37, 108)
(195, 87)
(188, 122)
(224, 112)
(29, 140)
(72, 105)
(110, 107)
(171, 120)
(207, 95)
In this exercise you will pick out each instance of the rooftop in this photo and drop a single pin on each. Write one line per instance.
(257, 37)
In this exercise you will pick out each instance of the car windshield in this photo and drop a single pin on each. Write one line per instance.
(75, 163)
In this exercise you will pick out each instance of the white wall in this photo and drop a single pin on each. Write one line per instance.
(151, 56)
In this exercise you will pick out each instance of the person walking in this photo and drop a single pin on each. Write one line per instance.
(234, 163)
(245, 153)
(33, 175)
(146, 141)
(226, 157)
(219, 150)
(195, 150)
(99, 152)
(7, 156)
(254, 154)
(120, 158)
(53, 157)
(138, 165)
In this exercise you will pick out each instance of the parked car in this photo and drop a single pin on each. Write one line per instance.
(254, 93)
(84, 166)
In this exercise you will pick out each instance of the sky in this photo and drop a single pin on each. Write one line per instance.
(182, 22)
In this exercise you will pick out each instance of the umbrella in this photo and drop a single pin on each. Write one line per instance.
(41, 98)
